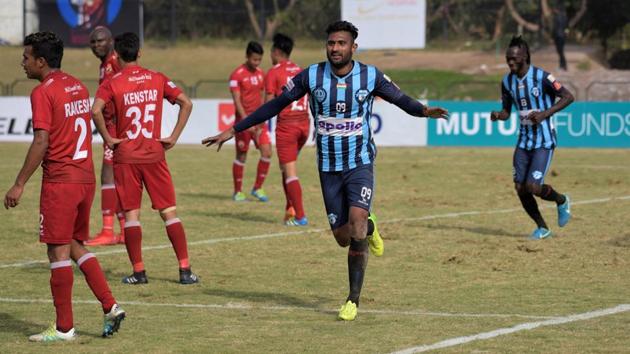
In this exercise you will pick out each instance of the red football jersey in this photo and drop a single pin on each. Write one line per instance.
(137, 94)
(61, 106)
(250, 84)
(109, 67)
(277, 78)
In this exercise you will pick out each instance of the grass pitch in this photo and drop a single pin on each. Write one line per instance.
(457, 262)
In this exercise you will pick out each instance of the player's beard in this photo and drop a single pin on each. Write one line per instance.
(340, 64)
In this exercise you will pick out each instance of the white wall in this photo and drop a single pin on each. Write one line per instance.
(11, 20)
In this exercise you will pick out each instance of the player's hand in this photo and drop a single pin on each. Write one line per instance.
(495, 116)
(219, 139)
(12, 198)
(168, 142)
(113, 142)
(537, 117)
(435, 112)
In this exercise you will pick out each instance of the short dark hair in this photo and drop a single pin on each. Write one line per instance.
(343, 26)
(254, 47)
(46, 45)
(518, 41)
(283, 43)
(127, 45)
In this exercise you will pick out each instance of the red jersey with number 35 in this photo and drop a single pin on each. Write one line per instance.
(61, 106)
(137, 94)
(250, 84)
(277, 78)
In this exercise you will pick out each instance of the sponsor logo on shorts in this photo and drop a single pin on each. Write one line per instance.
(537, 174)
(340, 126)
(332, 218)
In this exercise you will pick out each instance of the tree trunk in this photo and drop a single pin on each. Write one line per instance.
(251, 13)
(498, 25)
(578, 15)
(520, 20)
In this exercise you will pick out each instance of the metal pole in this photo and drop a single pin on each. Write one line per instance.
(23, 18)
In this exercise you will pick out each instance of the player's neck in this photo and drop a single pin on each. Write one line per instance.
(344, 70)
(46, 72)
(129, 64)
(521, 73)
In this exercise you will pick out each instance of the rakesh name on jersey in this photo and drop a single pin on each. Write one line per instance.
(77, 107)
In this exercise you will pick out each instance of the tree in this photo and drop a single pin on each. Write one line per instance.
(271, 22)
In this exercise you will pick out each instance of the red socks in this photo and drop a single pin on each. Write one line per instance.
(261, 172)
(61, 278)
(237, 175)
(294, 194)
(286, 193)
(96, 280)
(133, 243)
(175, 232)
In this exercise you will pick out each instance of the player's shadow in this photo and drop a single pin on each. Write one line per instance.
(269, 298)
(10, 324)
(237, 215)
(486, 231)
(206, 196)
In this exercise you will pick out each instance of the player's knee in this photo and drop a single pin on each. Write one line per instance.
(533, 189)
(341, 238)
(520, 189)
(358, 229)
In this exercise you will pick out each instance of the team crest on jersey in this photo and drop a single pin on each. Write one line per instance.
(535, 91)
(361, 95)
(332, 218)
(320, 94)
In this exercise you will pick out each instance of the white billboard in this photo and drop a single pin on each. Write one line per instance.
(391, 126)
(387, 24)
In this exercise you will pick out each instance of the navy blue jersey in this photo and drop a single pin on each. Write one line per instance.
(341, 108)
(536, 91)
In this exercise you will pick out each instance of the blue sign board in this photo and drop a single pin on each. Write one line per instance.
(582, 124)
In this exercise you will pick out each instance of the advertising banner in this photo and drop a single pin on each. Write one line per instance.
(582, 124)
(391, 126)
(74, 20)
(385, 24)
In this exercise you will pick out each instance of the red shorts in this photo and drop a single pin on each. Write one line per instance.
(243, 138)
(108, 154)
(156, 177)
(290, 138)
(64, 212)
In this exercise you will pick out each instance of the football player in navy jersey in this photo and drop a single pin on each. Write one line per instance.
(537, 95)
(341, 93)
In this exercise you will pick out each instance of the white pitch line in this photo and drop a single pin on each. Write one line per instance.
(240, 306)
(291, 233)
(521, 327)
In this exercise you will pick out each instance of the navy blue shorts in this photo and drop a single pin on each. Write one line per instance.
(530, 166)
(344, 189)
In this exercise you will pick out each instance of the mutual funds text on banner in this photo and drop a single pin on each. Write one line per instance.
(582, 124)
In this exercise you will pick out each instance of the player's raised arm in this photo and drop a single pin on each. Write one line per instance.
(506, 101)
(262, 114)
(294, 90)
(391, 93)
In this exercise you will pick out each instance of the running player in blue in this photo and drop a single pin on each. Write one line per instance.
(341, 92)
(533, 92)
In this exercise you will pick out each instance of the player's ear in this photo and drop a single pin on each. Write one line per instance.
(139, 53)
(354, 46)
